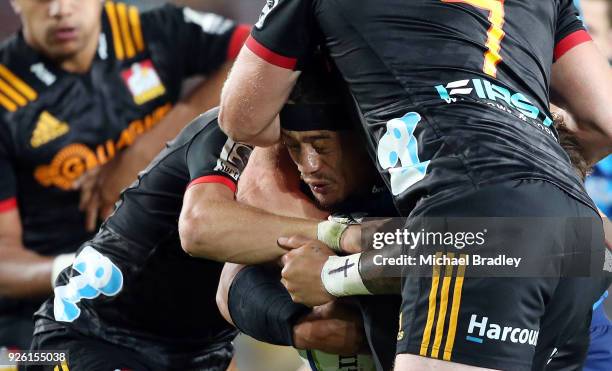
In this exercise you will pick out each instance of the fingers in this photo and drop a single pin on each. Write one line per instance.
(106, 211)
(293, 242)
(91, 214)
(86, 179)
(87, 190)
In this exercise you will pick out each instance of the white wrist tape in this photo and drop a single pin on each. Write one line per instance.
(340, 276)
(59, 264)
(330, 233)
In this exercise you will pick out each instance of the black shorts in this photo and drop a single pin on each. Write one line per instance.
(513, 322)
(91, 354)
(380, 331)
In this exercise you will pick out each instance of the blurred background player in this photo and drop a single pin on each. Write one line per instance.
(81, 82)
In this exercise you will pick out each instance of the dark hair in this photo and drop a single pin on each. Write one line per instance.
(319, 83)
(570, 144)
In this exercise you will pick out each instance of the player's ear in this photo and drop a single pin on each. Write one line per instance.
(16, 6)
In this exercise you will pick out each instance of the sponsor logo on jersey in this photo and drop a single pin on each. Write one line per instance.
(210, 23)
(98, 275)
(480, 329)
(233, 159)
(398, 152)
(143, 81)
(47, 129)
(72, 161)
(43, 74)
(270, 4)
(495, 96)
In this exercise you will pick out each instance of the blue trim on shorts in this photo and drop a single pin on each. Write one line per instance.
(473, 339)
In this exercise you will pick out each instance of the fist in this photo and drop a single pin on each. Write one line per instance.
(301, 273)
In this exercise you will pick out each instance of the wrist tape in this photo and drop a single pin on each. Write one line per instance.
(340, 276)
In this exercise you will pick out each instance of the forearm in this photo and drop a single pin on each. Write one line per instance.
(586, 93)
(253, 95)
(250, 239)
(23, 273)
(379, 280)
(259, 306)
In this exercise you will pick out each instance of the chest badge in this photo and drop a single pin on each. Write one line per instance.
(143, 81)
(47, 129)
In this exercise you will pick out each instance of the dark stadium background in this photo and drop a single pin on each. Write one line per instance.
(247, 11)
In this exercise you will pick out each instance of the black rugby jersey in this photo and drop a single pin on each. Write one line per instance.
(132, 284)
(56, 125)
(452, 92)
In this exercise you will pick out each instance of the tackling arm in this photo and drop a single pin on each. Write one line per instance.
(587, 94)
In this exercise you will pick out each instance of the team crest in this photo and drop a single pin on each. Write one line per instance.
(270, 4)
(143, 81)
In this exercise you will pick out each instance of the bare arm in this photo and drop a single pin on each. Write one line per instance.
(215, 226)
(253, 95)
(582, 84)
(230, 270)
(23, 273)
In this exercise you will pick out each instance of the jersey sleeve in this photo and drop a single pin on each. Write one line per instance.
(570, 30)
(196, 42)
(8, 181)
(283, 36)
(214, 158)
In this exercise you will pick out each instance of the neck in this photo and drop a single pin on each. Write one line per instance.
(82, 60)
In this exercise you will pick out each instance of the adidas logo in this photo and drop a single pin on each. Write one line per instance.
(47, 129)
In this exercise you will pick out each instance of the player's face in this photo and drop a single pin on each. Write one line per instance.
(333, 164)
(60, 29)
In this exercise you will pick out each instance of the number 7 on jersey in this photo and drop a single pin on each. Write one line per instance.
(495, 34)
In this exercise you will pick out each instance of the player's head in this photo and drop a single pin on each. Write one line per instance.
(60, 29)
(330, 156)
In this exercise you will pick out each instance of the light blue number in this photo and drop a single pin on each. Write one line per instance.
(98, 275)
(398, 151)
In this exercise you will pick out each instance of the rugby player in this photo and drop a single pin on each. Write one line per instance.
(466, 84)
(143, 265)
(305, 275)
(303, 265)
(81, 82)
(326, 158)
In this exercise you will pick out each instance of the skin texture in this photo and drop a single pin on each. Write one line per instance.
(66, 31)
(249, 106)
(203, 225)
(586, 93)
(598, 17)
(326, 161)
